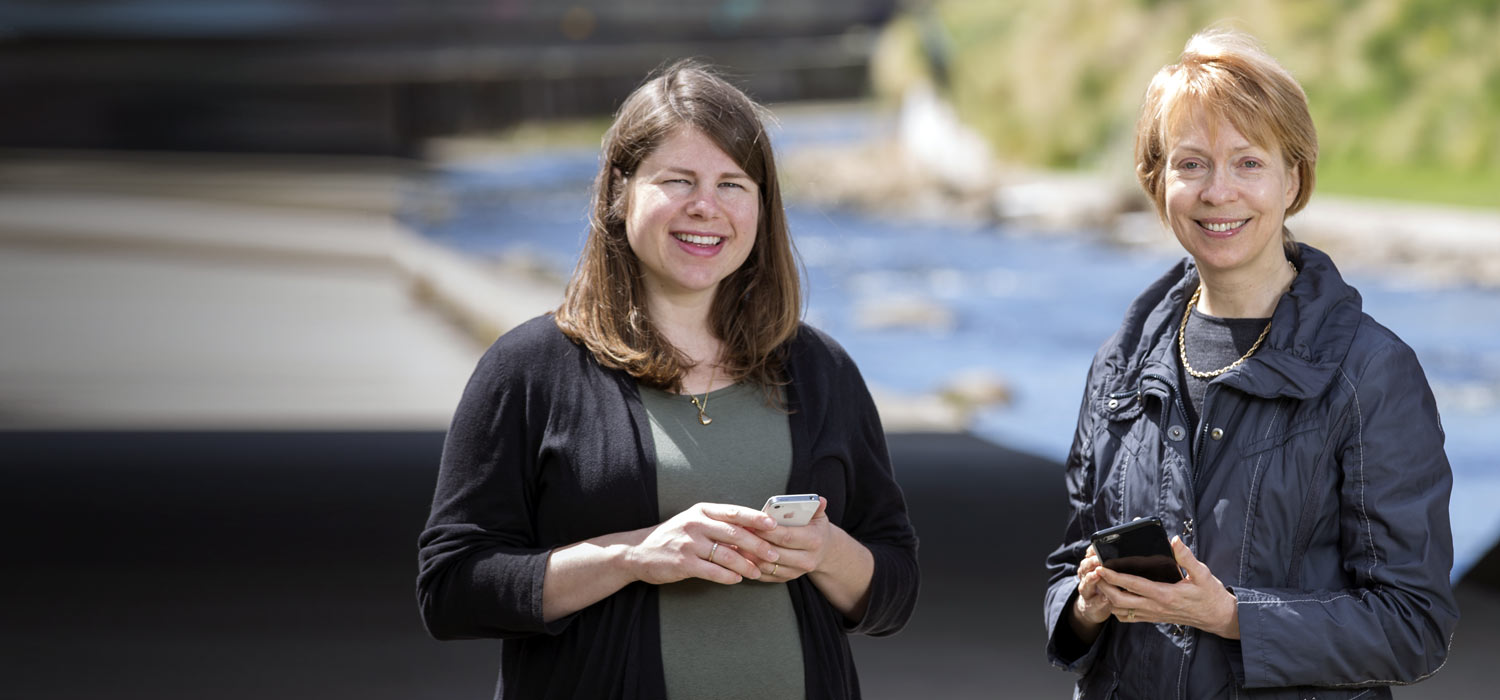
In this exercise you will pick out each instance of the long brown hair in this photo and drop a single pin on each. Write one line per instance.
(756, 309)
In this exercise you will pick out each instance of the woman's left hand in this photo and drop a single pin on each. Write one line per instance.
(1200, 600)
(801, 550)
(837, 564)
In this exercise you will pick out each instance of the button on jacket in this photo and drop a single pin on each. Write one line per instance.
(1314, 486)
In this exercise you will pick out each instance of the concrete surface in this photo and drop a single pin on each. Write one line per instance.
(153, 296)
(287, 570)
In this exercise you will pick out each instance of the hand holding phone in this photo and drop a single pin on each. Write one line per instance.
(1139, 548)
(792, 509)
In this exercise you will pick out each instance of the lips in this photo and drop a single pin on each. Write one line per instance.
(699, 245)
(1222, 227)
(698, 239)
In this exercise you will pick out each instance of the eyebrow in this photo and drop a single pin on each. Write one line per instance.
(736, 174)
(1246, 146)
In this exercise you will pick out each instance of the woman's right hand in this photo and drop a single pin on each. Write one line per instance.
(1091, 608)
(683, 546)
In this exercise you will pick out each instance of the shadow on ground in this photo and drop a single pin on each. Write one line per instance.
(281, 565)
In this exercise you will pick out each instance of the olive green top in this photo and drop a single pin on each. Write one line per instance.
(718, 641)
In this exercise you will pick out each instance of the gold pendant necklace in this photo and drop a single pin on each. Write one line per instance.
(703, 405)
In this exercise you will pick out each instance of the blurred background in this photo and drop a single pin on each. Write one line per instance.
(250, 251)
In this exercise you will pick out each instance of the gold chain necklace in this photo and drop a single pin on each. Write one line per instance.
(703, 405)
(1182, 337)
(1182, 343)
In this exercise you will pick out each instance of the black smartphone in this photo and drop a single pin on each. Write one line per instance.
(1139, 548)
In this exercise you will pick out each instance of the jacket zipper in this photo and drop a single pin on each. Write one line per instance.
(1193, 458)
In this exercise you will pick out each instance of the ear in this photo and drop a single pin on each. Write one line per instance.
(617, 180)
(1293, 183)
(619, 194)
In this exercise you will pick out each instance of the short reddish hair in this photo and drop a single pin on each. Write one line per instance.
(1227, 74)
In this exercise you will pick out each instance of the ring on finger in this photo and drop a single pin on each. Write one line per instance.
(774, 567)
(712, 551)
(1130, 615)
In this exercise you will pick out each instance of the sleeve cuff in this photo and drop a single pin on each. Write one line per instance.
(892, 594)
(1065, 649)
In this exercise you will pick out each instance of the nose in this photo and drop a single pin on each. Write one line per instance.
(703, 203)
(1220, 187)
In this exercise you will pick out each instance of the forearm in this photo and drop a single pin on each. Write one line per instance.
(587, 572)
(844, 577)
(1085, 630)
(1297, 637)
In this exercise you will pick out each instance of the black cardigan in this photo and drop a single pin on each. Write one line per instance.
(548, 448)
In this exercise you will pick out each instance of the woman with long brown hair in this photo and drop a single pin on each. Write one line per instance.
(598, 501)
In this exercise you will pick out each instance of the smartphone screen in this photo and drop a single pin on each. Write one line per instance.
(1139, 548)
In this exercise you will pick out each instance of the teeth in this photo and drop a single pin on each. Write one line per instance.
(1220, 228)
(697, 240)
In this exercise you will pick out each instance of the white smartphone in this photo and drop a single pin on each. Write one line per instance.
(792, 509)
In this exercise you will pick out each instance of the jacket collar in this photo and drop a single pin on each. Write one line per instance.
(1312, 330)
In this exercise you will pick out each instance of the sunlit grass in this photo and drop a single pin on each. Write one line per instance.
(1405, 93)
(1429, 184)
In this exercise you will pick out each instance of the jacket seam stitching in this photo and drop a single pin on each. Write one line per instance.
(1364, 513)
(1250, 504)
(1285, 601)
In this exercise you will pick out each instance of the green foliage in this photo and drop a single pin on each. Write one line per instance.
(1436, 185)
(1396, 87)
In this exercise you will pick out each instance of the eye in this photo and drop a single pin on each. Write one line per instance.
(1252, 163)
(732, 184)
(1189, 165)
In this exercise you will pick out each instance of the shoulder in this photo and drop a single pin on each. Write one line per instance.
(816, 343)
(540, 333)
(1376, 350)
(1381, 381)
(1151, 316)
(533, 349)
(813, 349)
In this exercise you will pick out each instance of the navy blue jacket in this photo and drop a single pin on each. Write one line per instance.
(549, 448)
(1314, 486)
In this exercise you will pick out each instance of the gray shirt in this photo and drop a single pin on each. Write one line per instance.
(1214, 342)
(720, 641)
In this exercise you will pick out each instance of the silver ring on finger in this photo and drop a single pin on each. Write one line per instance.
(712, 551)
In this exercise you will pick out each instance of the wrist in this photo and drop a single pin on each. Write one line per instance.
(840, 549)
(624, 555)
(1084, 628)
(1230, 627)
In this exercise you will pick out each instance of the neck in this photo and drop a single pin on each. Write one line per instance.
(1251, 293)
(684, 323)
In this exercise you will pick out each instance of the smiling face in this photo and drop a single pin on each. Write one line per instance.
(691, 216)
(1226, 197)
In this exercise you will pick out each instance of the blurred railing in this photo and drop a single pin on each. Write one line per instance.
(381, 76)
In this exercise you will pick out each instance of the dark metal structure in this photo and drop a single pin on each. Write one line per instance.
(379, 76)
